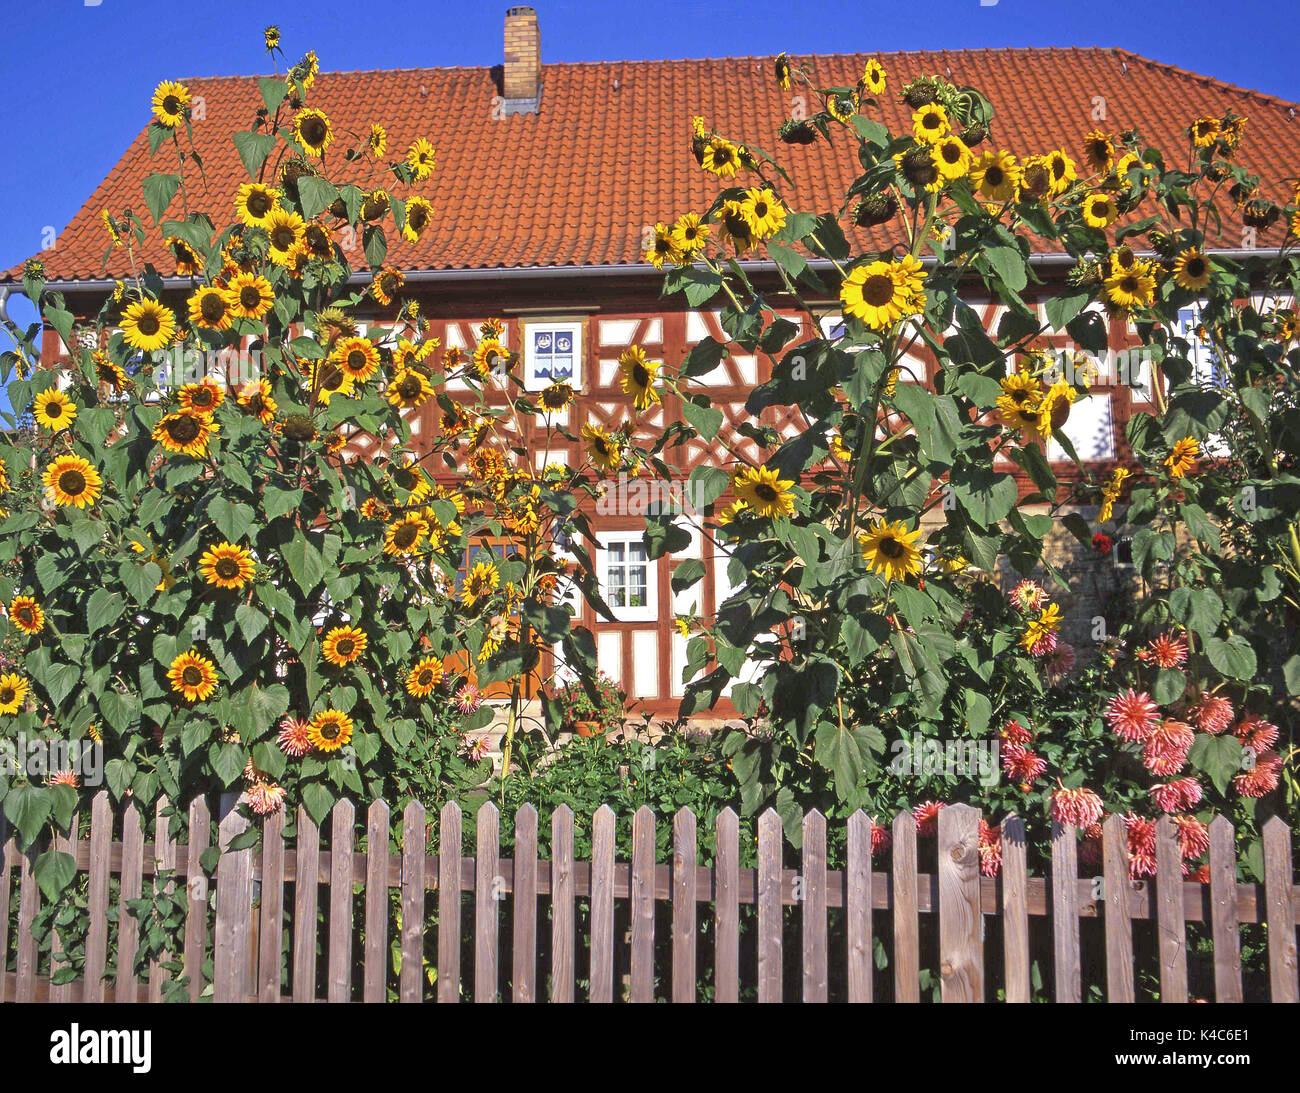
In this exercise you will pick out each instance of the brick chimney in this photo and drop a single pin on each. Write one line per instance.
(521, 80)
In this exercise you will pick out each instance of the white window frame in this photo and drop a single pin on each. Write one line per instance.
(619, 542)
(573, 327)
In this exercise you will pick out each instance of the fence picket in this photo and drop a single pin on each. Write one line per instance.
(1015, 909)
(61, 993)
(29, 902)
(1224, 922)
(101, 844)
(1065, 912)
(234, 912)
(726, 904)
(450, 837)
(196, 897)
(815, 973)
(306, 896)
(270, 934)
(414, 860)
(1119, 932)
(486, 924)
(343, 820)
(1281, 912)
(643, 906)
(961, 946)
(770, 916)
(602, 905)
(857, 911)
(128, 926)
(164, 861)
(907, 942)
(374, 985)
(524, 963)
(562, 913)
(8, 851)
(684, 891)
(1171, 928)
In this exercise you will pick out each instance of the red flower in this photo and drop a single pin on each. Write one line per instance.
(1015, 733)
(1211, 713)
(1101, 543)
(1141, 846)
(1022, 764)
(1193, 837)
(1132, 716)
(1261, 778)
(1177, 796)
(990, 841)
(1076, 807)
(1165, 651)
(1165, 750)
(927, 817)
(1255, 733)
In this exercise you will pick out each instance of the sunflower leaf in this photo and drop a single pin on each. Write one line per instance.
(159, 189)
(274, 89)
(316, 195)
(253, 149)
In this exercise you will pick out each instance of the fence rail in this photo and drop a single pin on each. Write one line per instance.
(245, 936)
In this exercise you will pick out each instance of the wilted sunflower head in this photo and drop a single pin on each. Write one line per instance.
(918, 167)
(387, 283)
(299, 428)
(876, 209)
(1099, 150)
(920, 92)
(557, 396)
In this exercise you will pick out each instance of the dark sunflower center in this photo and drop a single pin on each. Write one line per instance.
(931, 121)
(764, 492)
(409, 388)
(722, 156)
(663, 245)
(26, 616)
(406, 535)
(258, 203)
(73, 483)
(1102, 208)
(250, 297)
(951, 153)
(331, 378)
(346, 647)
(54, 409)
(1058, 168)
(7, 695)
(760, 209)
(227, 569)
(313, 131)
(147, 324)
(890, 547)
(212, 306)
(1195, 267)
(283, 237)
(183, 429)
(171, 105)
(425, 677)
(995, 176)
(640, 376)
(417, 218)
(878, 290)
(1129, 285)
(329, 730)
(191, 677)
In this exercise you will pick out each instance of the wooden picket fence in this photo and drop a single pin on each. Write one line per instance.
(248, 935)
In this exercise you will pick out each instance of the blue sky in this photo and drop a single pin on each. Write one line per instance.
(79, 75)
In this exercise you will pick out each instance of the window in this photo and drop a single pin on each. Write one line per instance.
(552, 351)
(627, 578)
(1207, 368)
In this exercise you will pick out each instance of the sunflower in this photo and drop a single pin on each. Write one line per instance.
(329, 379)
(490, 357)
(312, 130)
(1055, 409)
(733, 228)
(210, 308)
(343, 645)
(1203, 132)
(424, 677)
(251, 296)
(602, 449)
(919, 166)
(842, 105)
(330, 730)
(764, 492)
(637, 376)
(1099, 211)
(286, 232)
(408, 389)
(1183, 456)
(147, 325)
(720, 157)
(781, 70)
(1061, 170)
(1035, 180)
(254, 204)
(309, 67)
(13, 692)
(420, 159)
(193, 676)
(951, 157)
(1099, 150)
(255, 397)
(185, 433)
(873, 79)
(358, 357)
(386, 284)
(890, 549)
(558, 396)
(482, 580)
(690, 234)
(930, 123)
(403, 536)
(171, 102)
(996, 176)
(662, 248)
(419, 215)
(271, 38)
(53, 409)
(226, 566)
(872, 294)
(1134, 287)
(763, 212)
(317, 243)
(377, 141)
(27, 614)
(202, 397)
(375, 205)
(72, 480)
(1020, 404)
(1191, 270)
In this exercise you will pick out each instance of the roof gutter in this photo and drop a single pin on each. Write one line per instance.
(1053, 260)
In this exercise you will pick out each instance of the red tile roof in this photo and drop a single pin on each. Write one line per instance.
(609, 151)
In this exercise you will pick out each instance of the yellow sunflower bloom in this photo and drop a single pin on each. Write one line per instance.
(996, 176)
(255, 397)
(1099, 210)
(662, 248)
(193, 676)
(721, 158)
(637, 376)
(209, 308)
(377, 141)
(185, 433)
(873, 78)
(27, 614)
(330, 730)
(482, 580)
(286, 231)
(419, 215)
(872, 293)
(930, 123)
(420, 159)
(403, 536)
(251, 296)
(313, 131)
(763, 212)
(226, 566)
(358, 357)
(343, 645)
(147, 325)
(254, 204)
(423, 679)
(690, 234)
(408, 389)
(603, 450)
(53, 409)
(13, 692)
(890, 550)
(71, 480)
(171, 102)
(764, 492)
(1191, 270)
(1183, 457)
